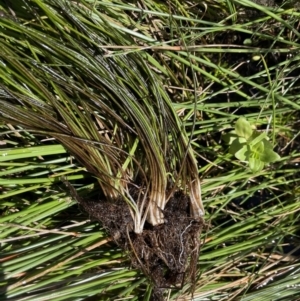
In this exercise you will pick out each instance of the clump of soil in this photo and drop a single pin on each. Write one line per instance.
(166, 253)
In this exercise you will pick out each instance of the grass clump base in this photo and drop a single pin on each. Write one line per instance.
(166, 253)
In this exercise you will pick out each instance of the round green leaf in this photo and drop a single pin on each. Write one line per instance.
(255, 165)
(243, 154)
(247, 42)
(267, 144)
(243, 128)
(257, 149)
(237, 144)
(269, 156)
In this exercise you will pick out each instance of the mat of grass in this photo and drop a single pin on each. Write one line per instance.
(216, 61)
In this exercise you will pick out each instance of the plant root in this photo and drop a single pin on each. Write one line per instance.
(167, 253)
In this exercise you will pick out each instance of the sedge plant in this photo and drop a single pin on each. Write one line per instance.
(112, 114)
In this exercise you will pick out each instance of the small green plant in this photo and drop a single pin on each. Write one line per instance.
(249, 145)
